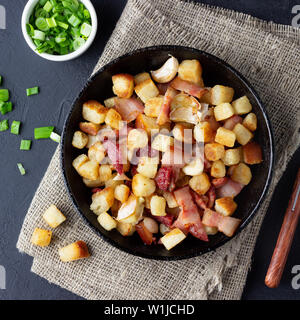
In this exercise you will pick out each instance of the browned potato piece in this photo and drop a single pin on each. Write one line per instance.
(89, 170)
(250, 121)
(223, 111)
(203, 132)
(106, 221)
(214, 151)
(137, 138)
(92, 140)
(252, 153)
(218, 169)
(74, 251)
(172, 238)
(225, 137)
(110, 102)
(41, 237)
(79, 161)
(191, 70)
(102, 200)
(226, 206)
(123, 85)
(146, 123)
(142, 186)
(122, 193)
(242, 174)
(242, 105)
(126, 229)
(183, 132)
(231, 157)
(93, 183)
(79, 140)
(96, 152)
(221, 94)
(153, 106)
(93, 111)
(162, 142)
(113, 119)
(158, 206)
(105, 172)
(148, 167)
(171, 200)
(146, 90)
(200, 183)
(89, 128)
(141, 77)
(243, 135)
(206, 98)
(53, 216)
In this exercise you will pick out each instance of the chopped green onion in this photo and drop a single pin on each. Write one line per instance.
(74, 21)
(5, 107)
(4, 125)
(4, 94)
(15, 127)
(43, 132)
(38, 35)
(51, 22)
(42, 2)
(48, 6)
(60, 38)
(21, 168)
(32, 91)
(55, 137)
(25, 145)
(63, 25)
(86, 14)
(30, 29)
(42, 24)
(77, 43)
(86, 29)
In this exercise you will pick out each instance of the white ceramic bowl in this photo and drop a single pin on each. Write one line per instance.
(25, 18)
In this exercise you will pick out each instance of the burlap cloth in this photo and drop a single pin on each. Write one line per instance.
(265, 53)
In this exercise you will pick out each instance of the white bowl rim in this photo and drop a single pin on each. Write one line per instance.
(25, 18)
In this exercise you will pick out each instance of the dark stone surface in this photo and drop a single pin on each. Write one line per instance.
(59, 82)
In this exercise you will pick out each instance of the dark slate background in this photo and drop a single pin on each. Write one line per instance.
(59, 84)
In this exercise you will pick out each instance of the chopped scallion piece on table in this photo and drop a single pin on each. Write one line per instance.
(43, 132)
(4, 95)
(25, 145)
(15, 127)
(4, 125)
(5, 107)
(21, 168)
(55, 137)
(32, 91)
(0, 80)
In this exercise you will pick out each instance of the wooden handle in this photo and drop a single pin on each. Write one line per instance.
(285, 238)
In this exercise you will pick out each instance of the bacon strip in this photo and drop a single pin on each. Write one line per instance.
(211, 193)
(163, 177)
(129, 109)
(163, 116)
(219, 182)
(188, 87)
(114, 153)
(144, 233)
(230, 189)
(232, 121)
(167, 220)
(201, 200)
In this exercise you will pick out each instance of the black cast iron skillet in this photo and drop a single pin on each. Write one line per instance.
(215, 71)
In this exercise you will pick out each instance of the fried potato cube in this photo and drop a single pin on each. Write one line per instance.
(183, 132)
(210, 231)
(221, 94)
(53, 216)
(146, 90)
(142, 186)
(92, 140)
(203, 132)
(172, 238)
(241, 105)
(126, 229)
(80, 140)
(105, 172)
(162, 142)
(226, 206)
(200, 184)
(225, 137)
(153, 106)
(218, 169)
(89, 170)
(252, 153)
(93, 183)
(122, 193)
(158, 206)
(214, 151)
(147, 123)
(111, 183)
(74, 251)
(242, 174)
(89, 128)
(250, 121)
(102, 200)
(110, 102)
(113, 119)
(123, 85)
(148, 167)
(243, 135)
(106, 221)
(141, 77)
(223, 111)
(194, 168)
(41, 237)
(96, 152)
(171, 200)
(79, 161)
(94, 111)
(206, 98)
(232, 157)
(137, 138)
(147, 201)
(190, 70)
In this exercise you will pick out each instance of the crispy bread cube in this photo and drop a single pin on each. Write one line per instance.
(147, 123)
(243, 135)
(92, 140)
(214, 151)
(242, 174)
(194, 168)
(171, 201)
(206, 98)
(123, 85)
(41, 237)
(190, 70)
(122, 193)
(162, 142)
(79, 161)
(113, 119)
(210, 231)
(183, 132)
(158, 206)
(74, 251)
(93, 111)
(225, 137)
(153, 106)
(226, 206)
(89, 128)
(53, 216)
(126, 229)
(106, 221)
(231, 157)
(223, 111)
(250, 121)
(89, 170)
(93, 183)
(142, 186)
(203, 132)
(79, 140)
(137, 138)
(221, 94)
(141, 77)
(146, 90)
(252, 153)
(148, 167)
(110, 102)
(105, 172)
(172, 238)
(200, 183)
(102, 200)
(96, 152)
(218, 169)
(241, 105)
